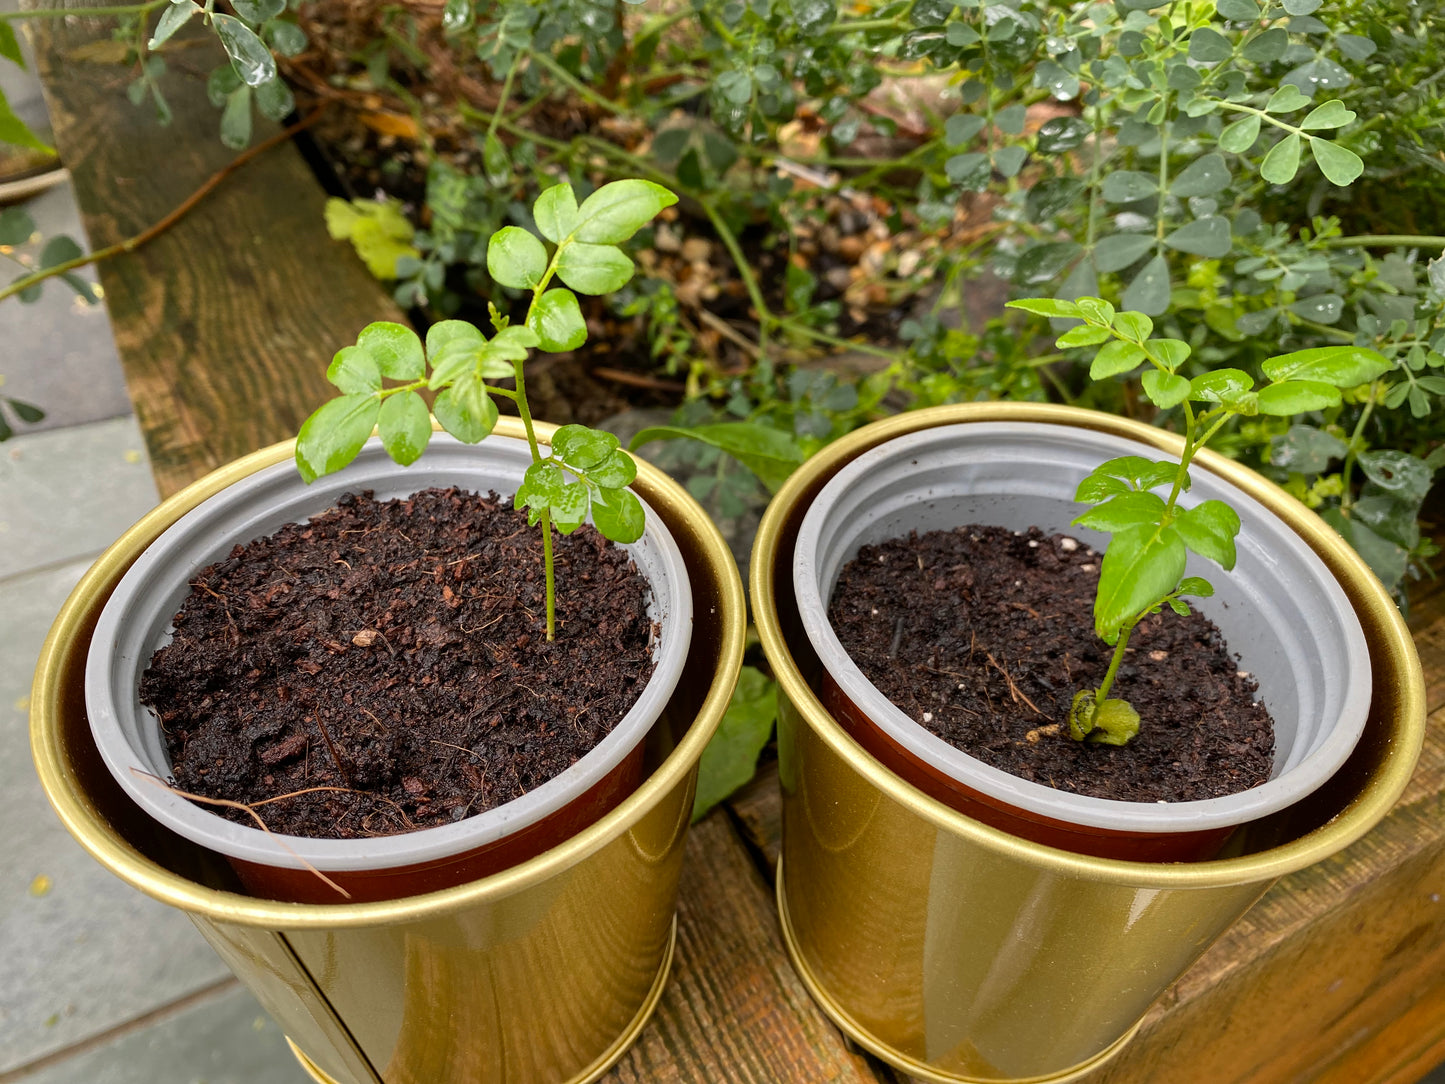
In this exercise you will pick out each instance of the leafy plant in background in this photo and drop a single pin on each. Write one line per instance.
(1151, 536)
(458, 360)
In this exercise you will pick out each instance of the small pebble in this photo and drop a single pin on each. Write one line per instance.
(928, 716)
(1158, 656)
(1033, 543)
(1068, 545)
(1087, 568)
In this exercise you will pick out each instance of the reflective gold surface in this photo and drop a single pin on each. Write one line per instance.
(960, 953)
(540, 973)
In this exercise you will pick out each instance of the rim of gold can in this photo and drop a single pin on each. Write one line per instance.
(359, 986)
(878, 872)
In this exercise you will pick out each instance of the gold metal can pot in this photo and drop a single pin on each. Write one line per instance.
(958, 952)
(544, 972)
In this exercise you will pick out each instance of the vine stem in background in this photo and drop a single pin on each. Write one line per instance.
(52, 13)
(1385, 239)
(130, 244)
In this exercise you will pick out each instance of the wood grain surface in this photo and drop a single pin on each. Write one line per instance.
(225, 324)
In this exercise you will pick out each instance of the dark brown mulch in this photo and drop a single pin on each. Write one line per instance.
(397, 649)
(983, 636)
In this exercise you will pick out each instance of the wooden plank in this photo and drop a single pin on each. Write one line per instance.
(226, 322)
(734, 1010)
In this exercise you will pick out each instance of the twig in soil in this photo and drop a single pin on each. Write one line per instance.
(637, 380)
(250, 811)
(897, 639)
(459, 748)
(146, 236)
(335, 757)
(1013, 690)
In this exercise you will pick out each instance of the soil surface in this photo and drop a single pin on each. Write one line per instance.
(983, 636)
(397, 650)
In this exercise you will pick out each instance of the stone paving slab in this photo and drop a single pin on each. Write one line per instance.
(83, 952)
(70, 493)
(58, 351)
(224, 1039)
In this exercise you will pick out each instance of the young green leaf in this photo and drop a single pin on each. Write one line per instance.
(1226, 386)
(1096, 310)
(581, 447)
(1046, 306)
(496, 163)
(569, 507)
(1197, 586)
(334, 434)
(1084, 335)
(451, 345)
(1130, 509)
(395, 349)
(1140, 567)
(1209, 46)
(593, 269)
(515, 258)
(1342, 366)
(1209, 529)
(354, 371)
(1297, 397)
(1100, 487)
(465, 410)
(556, 318)
(614, 472)
(275, 100)
(616, 211)
(1170, 353)
(1116, 358)
(556, 213)
(1268, 47)
(1133, 325)
(236, 118)
(405, 426)
(15, 226)
(618, 514)
(1282, 162)
(1340, 165)
(14, 130)
(1287, 99)
(1164, 389)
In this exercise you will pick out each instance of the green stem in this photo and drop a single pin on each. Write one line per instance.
(1108, 683)
(53, 13)
(833, 340)
(858, 26)
(567, 79)
(549, 576)
(1349, 465)
(1386, 240)
(750, 281)
(505, 94)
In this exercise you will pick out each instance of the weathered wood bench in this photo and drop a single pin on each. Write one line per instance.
(225, 325)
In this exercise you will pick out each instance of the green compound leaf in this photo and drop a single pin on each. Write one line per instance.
(769, 453)
(1342, 366)
(515, 258)
(1282, 162)
(1164, 389)
(1129, 509)
(581, 447)
(556, 213)
(405, 426)
(594, 269)
(1114, 359)
(354, 371)
(731, 757)
(1197, 586)
(1296, 397)
(1209, 529)
(1046, 306)
(395, 348)
(334, 434)
(542, 484)
(1340, 165)
(569, 507)
(451, 345)
(1096, 310)
(616, 211)
(1140, 567)
(1133, 325)
(556, 318)
(465, 410)
(1238, 137)
(618, 514)
(1171, 353)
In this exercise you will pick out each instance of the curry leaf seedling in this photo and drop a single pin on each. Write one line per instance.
(1151, 536)
(584, 471)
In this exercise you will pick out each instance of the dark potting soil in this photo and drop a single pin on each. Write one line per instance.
(397, 650)
(983, 636)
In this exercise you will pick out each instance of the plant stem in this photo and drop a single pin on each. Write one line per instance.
(1108, 682)
(100, 12)
(858, 26)
(1386, 240)
(1349, 465)
(750, 281)
(133, 243)
(563, 76)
